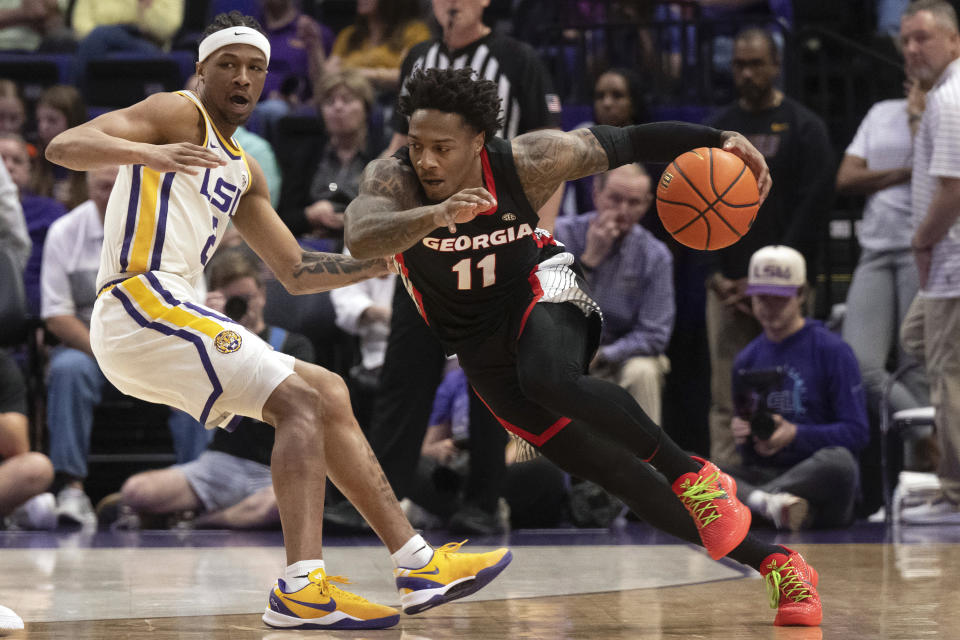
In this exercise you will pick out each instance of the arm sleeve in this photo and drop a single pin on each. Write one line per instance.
(653, 142)
(14, 236)
(654, 318)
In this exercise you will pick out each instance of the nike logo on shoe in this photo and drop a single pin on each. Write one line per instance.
(328, 607)
(424, 571)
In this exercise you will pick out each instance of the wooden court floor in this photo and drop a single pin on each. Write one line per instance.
(883, 591)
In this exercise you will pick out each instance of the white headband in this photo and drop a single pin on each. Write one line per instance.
(234, 35)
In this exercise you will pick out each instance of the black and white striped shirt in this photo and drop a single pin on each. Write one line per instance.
(526, 91)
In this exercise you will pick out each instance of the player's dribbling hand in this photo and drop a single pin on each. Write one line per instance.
(181, 156)
(741, 147)
(463, 206)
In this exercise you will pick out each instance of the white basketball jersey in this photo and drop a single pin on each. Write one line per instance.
(172, 222)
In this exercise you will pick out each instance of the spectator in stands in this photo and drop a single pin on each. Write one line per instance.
(59, 108)
(25, 23)
(315, 196)
(931, 47)
(797, 148)
(13, 111)
(801, 411)
(878, 164)
(14, 237)
(132, 26)
(363, 310)
(618, 100)
(71, 258)
(413, 365)
(299, 46)
(229, 485)
(630, 274)
(376, 43)
(38, 211)
(24, 475)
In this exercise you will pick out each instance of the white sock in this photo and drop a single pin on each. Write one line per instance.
(757, 500)
(414, 554)
(296, 574)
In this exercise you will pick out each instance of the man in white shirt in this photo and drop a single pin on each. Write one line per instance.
(931, 47)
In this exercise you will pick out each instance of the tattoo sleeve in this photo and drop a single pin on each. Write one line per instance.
(547, 158)
(387, 216)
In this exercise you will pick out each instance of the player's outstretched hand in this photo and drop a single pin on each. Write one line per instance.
(181, 156)
(740, 146)
(463, 206)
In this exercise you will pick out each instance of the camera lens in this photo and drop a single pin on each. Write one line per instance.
(235, 307)
(762, 425)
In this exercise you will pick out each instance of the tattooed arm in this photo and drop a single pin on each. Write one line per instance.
(544, 159)
(300, 271)
(387, 217)
(547, 158)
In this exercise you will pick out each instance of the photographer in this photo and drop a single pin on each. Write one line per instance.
(801, 415)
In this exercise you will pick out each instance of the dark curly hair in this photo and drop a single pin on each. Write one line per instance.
(229, 20)
(454, 91)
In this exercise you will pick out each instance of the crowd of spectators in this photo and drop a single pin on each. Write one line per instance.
(327, 109)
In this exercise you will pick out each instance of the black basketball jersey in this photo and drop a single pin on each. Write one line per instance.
(465, 284)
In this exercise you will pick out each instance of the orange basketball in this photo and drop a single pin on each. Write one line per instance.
(707, 198)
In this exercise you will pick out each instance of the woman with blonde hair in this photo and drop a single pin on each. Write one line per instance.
(327, 176)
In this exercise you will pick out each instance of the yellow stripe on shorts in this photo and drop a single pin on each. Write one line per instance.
(150, 302)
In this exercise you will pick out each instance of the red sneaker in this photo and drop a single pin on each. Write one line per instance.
(792, 587)
(711, 498)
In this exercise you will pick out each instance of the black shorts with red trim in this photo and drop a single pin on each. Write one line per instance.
(491, 368)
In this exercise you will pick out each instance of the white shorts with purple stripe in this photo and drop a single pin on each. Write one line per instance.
(154, 340)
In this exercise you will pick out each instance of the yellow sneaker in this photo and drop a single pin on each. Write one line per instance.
(321, 605)
(449, 575)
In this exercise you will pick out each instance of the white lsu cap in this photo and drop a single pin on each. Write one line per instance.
(234, 35)
(776, 270)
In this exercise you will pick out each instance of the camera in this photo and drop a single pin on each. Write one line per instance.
(235, 308)
(759, 383)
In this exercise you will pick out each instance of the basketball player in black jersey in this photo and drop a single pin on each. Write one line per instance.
(457, 208)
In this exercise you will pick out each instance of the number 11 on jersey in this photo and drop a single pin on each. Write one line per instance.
(464, 271)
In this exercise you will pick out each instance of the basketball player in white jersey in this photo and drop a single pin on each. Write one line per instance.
(182, 180)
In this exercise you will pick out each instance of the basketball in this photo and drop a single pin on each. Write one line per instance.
(707, 198)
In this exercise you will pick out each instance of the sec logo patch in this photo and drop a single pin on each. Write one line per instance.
(227, 341)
